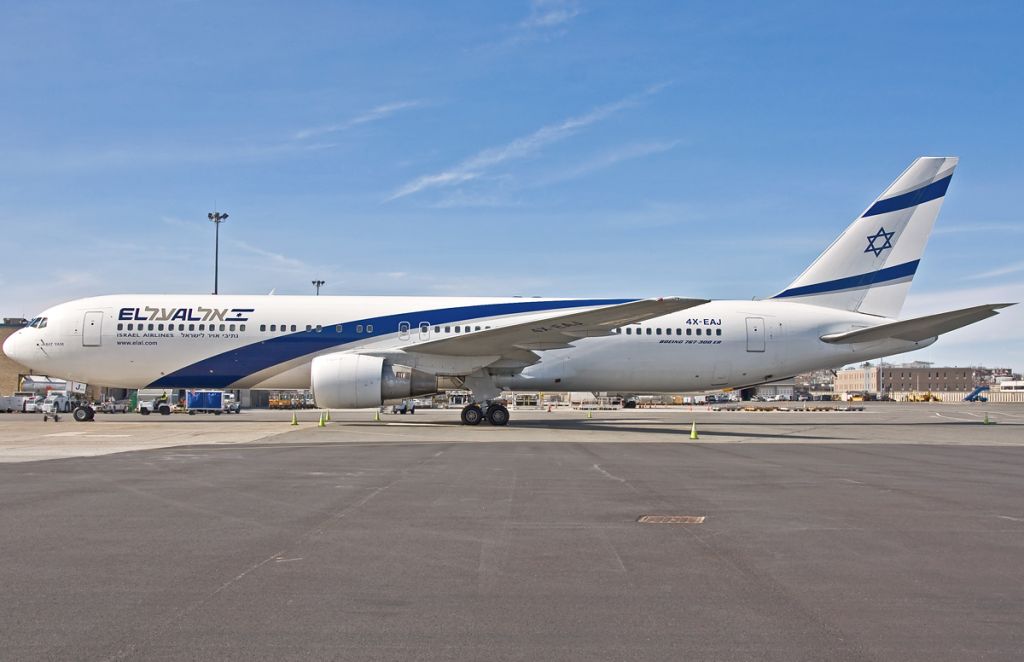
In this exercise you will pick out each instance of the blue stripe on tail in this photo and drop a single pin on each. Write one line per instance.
(920, 196)
(896, 272)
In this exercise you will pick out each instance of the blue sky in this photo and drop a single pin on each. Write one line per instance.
(547, 148)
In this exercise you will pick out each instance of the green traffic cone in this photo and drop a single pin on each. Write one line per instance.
(693, 431)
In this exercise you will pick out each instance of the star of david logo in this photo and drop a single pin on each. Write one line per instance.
(874, 247)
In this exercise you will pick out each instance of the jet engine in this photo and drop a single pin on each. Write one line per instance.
(351, 381)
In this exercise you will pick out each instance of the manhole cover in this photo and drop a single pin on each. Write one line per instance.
(671, 519)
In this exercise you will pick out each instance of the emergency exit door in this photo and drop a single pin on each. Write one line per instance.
(755, 334)
(92, 329)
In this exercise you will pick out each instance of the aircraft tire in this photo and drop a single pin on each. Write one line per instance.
(497, 415)
(472, 415)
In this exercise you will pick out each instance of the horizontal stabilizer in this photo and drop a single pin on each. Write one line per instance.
(919, 328)
(555, 332)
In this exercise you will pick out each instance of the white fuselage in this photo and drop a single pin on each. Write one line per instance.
(191, 341)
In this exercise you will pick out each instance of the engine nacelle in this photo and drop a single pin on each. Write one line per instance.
(353, 381)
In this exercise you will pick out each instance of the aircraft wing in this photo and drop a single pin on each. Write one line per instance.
(919, 328)
(555, 332)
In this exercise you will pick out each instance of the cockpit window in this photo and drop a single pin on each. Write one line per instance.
(42, 323)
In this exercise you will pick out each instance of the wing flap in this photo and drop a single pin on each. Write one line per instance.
(554, 332)
(919, 328)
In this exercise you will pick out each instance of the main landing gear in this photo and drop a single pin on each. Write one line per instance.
(83, 413)
(495, 414)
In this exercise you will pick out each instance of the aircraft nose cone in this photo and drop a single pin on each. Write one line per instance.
(12, 347)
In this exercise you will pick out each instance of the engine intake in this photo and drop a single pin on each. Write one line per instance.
(353, 381)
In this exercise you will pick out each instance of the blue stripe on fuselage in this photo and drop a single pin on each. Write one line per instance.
(854, 282)
(224, 369)
(911, 199)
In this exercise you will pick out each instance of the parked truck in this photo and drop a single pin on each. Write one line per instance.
(12, 403)
(210, 402)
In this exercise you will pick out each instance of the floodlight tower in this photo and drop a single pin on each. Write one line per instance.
(216, 218)
(317, 284)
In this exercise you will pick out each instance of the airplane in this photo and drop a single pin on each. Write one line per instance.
(357, 352)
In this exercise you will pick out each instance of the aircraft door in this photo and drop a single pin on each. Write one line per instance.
(92, 329)
(755, 334)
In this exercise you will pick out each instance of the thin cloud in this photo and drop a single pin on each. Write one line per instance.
(546, 14)
(373, 115)
(479, 164)
(609, 159)
(981, 227)
(277, 260)
(1000, 271)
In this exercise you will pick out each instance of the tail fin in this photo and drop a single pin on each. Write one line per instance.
(869, 267)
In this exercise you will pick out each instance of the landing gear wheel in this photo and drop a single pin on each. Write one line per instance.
(83, 414)
(497, 415)
(472, 415)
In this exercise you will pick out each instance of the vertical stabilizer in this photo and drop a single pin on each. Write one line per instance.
(869, 267)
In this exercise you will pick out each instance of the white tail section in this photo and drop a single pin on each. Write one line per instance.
(870, 266)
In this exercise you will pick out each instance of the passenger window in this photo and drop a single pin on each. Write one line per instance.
(477, 328)
(273, 327)
(629, 331)
(698, 332)
(309, 327)
(231, 327)
(424, 327)
(437, 329)
(369, 328)
(707, 332)
(447, 329)
(181, 327)
(718, 332)
(294, 328)
(191, 327)
(319, 328)
(224, 327)
(648, 330)
(131, 327)
(241, 328)
(658, 331)
(359, 328)
(120, 327)
(337, 329)
(458, 329)
(679, 332)
(202, 327)
(689, 332)
(263, 327)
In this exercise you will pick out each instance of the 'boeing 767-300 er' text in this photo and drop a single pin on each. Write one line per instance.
(361, 351)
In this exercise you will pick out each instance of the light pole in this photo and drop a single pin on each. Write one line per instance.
(217, 218)
(317, 284)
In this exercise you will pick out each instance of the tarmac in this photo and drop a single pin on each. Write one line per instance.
(895, 533)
